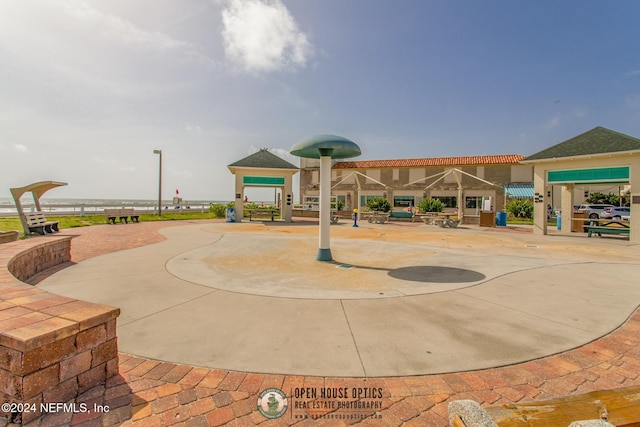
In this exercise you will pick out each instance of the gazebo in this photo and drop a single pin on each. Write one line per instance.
(264, 169)
(598, 156)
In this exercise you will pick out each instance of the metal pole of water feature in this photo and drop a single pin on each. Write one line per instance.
(325, 148)
(324, 251)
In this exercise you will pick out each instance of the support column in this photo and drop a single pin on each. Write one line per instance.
(238, 198)
(566, 209)
(324, 251)
(539, 201)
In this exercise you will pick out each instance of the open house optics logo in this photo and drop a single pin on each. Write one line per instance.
(272, 403)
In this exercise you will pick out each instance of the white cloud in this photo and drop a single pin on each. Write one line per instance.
(20, 147)
(261, 35)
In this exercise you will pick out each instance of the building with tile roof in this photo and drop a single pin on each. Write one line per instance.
(471, 182)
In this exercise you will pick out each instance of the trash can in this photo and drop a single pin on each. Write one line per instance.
(559, 222)
(501, 219)
(230, 215)
(487, 219)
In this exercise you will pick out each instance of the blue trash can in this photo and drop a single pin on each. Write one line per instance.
(559, 222)
(230, 215)
(501, 219)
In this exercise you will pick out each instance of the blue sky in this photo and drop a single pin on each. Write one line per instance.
(91, 87)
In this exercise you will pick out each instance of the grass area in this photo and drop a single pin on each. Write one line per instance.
(84, 221)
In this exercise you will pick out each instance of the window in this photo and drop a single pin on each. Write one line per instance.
(403, 201)
(473, 202)
(449, 201)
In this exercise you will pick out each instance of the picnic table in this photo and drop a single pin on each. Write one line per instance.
(602, 226)
(442, 219)
(375, 216)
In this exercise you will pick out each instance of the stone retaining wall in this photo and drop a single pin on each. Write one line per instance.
(52, 348)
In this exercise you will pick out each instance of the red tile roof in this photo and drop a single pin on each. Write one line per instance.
(503, 159)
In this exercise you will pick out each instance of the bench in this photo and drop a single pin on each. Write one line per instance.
(618, 407)
(261, 214)
(36, 222)
(601, 229)
(402, 215)
(123, 214)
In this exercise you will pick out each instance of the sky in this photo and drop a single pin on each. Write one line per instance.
(90, 88)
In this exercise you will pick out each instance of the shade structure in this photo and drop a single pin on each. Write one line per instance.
(333, 146)
(37, 189)
(325, 148)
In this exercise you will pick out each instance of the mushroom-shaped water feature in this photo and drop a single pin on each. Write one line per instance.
(325, 148)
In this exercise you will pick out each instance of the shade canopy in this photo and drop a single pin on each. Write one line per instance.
(334, 146)
(37, 189)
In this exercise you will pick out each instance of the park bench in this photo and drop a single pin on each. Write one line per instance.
(122, 214)
(401, 216)
(617, 407)
(36, 222)
(261, 214)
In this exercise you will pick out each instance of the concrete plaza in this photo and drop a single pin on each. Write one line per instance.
(211, 309)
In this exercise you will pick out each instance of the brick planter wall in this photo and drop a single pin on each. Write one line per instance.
(52, 348)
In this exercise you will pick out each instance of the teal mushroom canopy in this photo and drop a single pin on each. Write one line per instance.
(326, 145)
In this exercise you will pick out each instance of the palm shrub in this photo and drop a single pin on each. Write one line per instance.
(379, 204)
(521, 208)
(431, 205)
(219, 210)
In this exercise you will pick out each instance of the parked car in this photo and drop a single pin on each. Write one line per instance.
(593, 210)
(619, 212)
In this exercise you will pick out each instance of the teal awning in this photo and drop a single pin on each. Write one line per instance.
(518, 191)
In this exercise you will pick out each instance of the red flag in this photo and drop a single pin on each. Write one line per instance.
(177, 192)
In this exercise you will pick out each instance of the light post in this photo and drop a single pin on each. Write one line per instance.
(159, 183)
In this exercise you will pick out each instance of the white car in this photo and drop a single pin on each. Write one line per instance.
(619, 212)
(593, 210)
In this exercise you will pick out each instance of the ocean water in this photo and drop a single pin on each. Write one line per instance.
(89, 206)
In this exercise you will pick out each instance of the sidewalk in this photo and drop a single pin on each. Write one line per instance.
(154, 393)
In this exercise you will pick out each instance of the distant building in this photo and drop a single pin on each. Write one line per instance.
(479, 182)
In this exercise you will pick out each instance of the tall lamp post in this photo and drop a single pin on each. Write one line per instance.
(159, 183)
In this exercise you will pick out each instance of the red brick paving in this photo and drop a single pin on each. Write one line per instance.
(155, 393)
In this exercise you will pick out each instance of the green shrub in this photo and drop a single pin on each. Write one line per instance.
(601, 198)
(379, 204)
(217, 209)
(431, 205)
(521, 208)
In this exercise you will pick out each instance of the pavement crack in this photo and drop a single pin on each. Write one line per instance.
(353, 338)
(168, 308)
